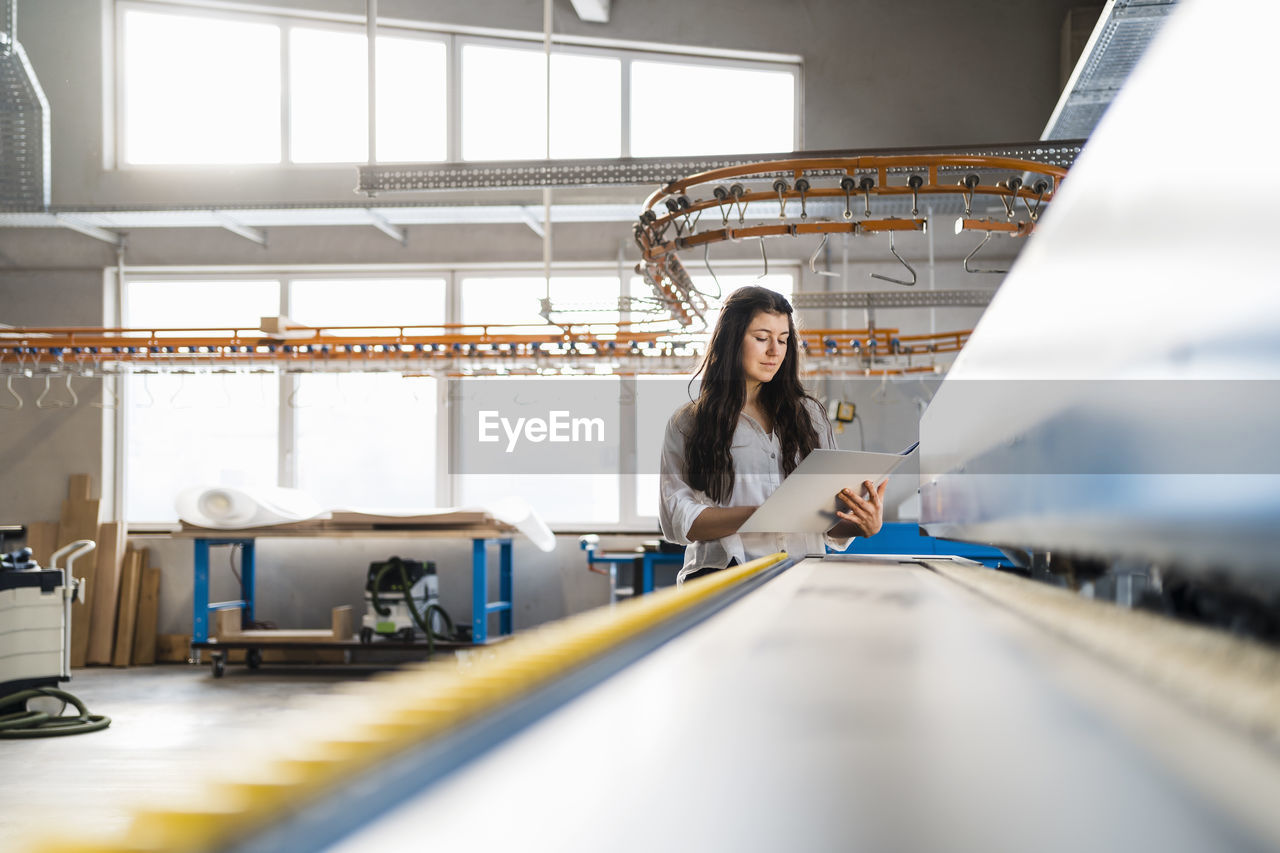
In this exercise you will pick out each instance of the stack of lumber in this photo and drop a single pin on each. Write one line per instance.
(135, 626)
(105, 593)
(114, 623)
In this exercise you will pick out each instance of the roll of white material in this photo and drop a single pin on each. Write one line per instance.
(521, 516)
(227, 508)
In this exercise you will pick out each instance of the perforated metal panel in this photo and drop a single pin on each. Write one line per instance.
(404, 177)
(24, 132)
(1119, 40)
(894, 299)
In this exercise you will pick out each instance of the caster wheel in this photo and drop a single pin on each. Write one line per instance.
(407, 635)
(219, 664)
(253, 658)
(366, 635)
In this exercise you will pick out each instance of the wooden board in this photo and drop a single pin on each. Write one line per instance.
(144, 632)
(106, 592)
(173, 648)
(42, 539)
(438, 518)
(80, 521)
(448, 521)
(127, 616)
(306, 529)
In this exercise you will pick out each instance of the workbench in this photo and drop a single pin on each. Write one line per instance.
(646, 558)
(482, 537)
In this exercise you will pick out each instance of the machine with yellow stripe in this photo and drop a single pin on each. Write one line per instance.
(879, 703)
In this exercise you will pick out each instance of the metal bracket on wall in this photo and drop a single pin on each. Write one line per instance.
(256, 235)
(89, 229)
(395, 232)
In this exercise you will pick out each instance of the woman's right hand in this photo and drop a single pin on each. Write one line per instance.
(862, 516)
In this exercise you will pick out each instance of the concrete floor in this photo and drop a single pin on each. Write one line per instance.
(164, 720)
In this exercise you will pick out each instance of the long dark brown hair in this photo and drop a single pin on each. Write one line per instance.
(708, 464)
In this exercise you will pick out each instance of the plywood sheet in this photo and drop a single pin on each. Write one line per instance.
(144, 632)
(106, 592)
(127, 617)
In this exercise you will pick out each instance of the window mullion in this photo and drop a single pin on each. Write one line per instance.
(453, 100)
(625, 109)
(286, 430)
(446, 434)
(285, 95)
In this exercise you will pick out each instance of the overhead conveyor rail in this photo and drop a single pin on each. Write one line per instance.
(452, 349)
(830, 195)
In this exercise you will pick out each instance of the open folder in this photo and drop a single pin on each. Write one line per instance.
(806, 501)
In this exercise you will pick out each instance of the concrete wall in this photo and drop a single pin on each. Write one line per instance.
(875, 74)
(41, 447)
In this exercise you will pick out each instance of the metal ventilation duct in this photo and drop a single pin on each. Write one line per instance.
(24, 125)
(1122, 34)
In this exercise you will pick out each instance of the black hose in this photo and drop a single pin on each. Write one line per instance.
(422, 620)
(378, 606)
(30, 724)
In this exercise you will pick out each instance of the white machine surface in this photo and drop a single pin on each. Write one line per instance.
(806, 501)
(857, 704)
(1118, 399)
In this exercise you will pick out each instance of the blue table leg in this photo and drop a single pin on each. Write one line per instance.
(247, 581)
(646, 585)
(200, 594)
(479, 591)
(504, 586)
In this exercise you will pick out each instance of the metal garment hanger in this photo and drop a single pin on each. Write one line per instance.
(910, 269)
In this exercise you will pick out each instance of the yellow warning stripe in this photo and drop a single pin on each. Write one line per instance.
(346, 734)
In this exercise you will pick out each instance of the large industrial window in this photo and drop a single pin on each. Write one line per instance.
(199, 90)
(200, 86)
(366, 438)
(329, 92)
(504, 104)
(753, 109)
(231, 417)
(362, 436)
(588, 493)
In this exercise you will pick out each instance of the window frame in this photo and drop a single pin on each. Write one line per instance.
(286, 23)
(453, 39)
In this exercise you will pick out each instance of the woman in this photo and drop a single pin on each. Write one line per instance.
(752, 423)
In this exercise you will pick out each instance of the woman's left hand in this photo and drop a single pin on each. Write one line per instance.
(866, 515)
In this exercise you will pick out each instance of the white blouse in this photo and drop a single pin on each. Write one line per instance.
(757, 470)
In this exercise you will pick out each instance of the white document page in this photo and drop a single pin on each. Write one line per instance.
(806, 501)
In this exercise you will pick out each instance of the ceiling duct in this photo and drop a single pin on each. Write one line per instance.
(24, 124)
